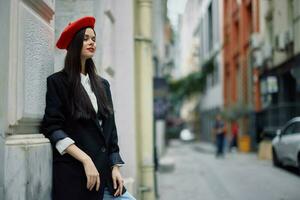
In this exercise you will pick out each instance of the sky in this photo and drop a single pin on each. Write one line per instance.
(175, 7)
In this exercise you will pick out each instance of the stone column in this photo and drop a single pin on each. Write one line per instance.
(26, 60)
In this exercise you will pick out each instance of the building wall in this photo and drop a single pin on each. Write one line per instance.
(213, 95)
(4, 63)
(124, 89)
(296, 19)
(279, 22)
(187, 40)
(188, 45)
(210, 47)
(158, 28)
(28, 59)
(240, 22)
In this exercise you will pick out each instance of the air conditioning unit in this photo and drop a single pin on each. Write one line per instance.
(267, 50)
(257, 58)
(255, 41)
(280, 41)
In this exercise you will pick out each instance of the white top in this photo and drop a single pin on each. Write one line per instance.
(63, 144)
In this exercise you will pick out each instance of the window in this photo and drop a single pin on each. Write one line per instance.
(289, 130)
(292, 129)
(296, 130)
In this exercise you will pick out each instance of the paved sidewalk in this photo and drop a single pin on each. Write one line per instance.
(198, 175)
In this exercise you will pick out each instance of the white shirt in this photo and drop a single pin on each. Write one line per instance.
(63, 144)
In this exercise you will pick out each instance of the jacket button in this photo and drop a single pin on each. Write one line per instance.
(103, 149)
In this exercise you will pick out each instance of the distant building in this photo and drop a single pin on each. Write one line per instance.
(276, 54)
(210, 52)
(240, 23)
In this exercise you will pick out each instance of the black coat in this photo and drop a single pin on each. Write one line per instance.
(100, 142)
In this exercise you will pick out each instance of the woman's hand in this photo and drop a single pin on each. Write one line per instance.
(91, 171)
(117, 180)
(92, 174)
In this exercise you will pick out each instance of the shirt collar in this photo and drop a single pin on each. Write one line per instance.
(85, 79)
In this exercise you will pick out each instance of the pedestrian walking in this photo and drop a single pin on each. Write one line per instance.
(219, 132)
(234, 136)
(79, 122)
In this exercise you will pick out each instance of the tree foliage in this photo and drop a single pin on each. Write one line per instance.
(192, 84)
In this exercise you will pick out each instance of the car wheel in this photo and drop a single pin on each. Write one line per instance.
(276, 162)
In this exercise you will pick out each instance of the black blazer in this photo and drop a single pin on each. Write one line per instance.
(100, 142)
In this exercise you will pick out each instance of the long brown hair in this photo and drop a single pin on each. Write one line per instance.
(81, 106)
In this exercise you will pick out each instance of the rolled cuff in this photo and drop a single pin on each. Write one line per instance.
(57, 135)
(63, 144)
(115, 159)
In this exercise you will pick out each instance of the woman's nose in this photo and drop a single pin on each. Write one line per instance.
(91, 42)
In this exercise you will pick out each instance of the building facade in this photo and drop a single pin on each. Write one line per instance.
(277, 62)
(240, 23)
(200, 47)
(209, 33)
(124, 52)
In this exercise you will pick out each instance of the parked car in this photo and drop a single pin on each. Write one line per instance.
(286, 145)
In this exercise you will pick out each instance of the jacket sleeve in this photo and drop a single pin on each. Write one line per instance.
(54, 118)
(114, 150)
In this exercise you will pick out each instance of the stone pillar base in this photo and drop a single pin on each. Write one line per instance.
(28, 167)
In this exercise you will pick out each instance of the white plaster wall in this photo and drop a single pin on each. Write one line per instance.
(123, 92)
(214, 96)
(67, 11)
(212, 99)
(190, 18)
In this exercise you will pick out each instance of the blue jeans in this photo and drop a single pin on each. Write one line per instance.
(220, 145)
(125, 196)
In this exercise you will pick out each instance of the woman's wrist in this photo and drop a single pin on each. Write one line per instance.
(78, 154)
(85, 159)
(115, 167)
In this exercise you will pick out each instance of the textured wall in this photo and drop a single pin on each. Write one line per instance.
(37, 39)
(4, 53)
(25, 156)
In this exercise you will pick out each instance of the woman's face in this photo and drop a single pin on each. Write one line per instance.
(89, 44)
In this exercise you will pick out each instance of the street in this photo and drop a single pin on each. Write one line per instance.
(199, 175)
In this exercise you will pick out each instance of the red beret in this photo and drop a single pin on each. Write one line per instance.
(73, 27)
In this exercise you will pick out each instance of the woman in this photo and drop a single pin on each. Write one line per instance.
(79, 122)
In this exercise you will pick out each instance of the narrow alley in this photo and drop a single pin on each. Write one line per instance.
(199, 175)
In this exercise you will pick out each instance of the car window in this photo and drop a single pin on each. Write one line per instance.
(296, 128)
(289, 130)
